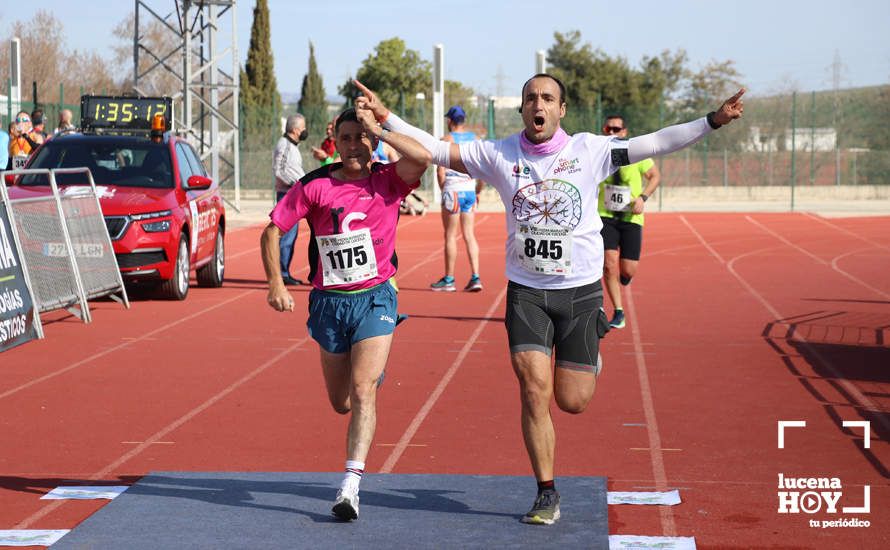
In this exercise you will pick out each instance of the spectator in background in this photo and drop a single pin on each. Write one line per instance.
(287, 167)
(413, 205)
(4, 149)
(65, 125)
(38, 134)
(20, 142)
(327, 153)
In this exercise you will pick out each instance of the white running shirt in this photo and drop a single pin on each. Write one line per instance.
(556, 191)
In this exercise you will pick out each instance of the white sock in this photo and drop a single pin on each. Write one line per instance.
(353, 477)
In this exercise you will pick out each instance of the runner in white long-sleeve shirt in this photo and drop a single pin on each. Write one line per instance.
(548, 182)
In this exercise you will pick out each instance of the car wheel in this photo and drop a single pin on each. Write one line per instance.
(212, 274)
(177, 287)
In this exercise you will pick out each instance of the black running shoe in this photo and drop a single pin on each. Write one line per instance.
(545, 510)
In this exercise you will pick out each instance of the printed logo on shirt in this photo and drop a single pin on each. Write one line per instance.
(566, 167)
(521, 172)
(548, 202)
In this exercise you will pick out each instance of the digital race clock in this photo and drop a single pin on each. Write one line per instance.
(121, 114)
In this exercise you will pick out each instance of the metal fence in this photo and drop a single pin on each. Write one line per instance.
(797, 139)
(65, 244)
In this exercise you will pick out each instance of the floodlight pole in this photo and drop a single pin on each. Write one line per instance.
(438, 106)
(540, 62)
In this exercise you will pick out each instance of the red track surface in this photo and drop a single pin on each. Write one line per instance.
(734, 322)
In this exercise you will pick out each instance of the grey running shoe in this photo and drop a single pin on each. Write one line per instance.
(443, 285)
(475, 285)
(346, 505)
(617, 319)
(545, 510)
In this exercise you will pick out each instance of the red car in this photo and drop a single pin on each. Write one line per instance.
(164, 215)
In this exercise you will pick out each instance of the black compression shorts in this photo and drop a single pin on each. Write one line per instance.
(627, 237)
(571, 319)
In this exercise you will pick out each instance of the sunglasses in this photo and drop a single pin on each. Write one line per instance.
(614, 129)
(23, 120)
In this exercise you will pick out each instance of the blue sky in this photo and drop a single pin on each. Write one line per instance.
(776, 44)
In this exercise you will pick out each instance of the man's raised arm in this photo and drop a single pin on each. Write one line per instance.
(443, 153)
(673, 138)
(414, 158)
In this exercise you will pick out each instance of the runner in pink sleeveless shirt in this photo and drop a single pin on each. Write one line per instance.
(335, 207)
(352, 208)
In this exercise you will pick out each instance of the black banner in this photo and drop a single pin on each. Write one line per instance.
(16, 305)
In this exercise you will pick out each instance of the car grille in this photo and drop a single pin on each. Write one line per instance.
(139, 259)
(117, 226)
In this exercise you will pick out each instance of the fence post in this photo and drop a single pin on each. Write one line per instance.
(491, 118)
(686, 153)
(813, 139)
(837, 163)
(660, 157)
(704, 172)
(599, 110)
(793, 144)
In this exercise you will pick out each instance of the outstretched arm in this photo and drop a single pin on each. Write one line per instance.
(414, 158)
(443, 154)
(673, 138)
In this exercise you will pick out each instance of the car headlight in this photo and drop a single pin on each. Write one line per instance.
(156, 227)
(150, 215)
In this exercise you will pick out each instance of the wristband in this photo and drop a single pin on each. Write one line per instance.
(711, 122)
(381, 120)
(644, 196)
(382, 136)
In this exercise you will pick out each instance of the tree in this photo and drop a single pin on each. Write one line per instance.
(260, 100)
(154, 79)
(395, 73)
(47, 61)
(312, 102)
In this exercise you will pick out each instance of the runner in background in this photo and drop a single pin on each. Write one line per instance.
(459, 196)
(622, 200)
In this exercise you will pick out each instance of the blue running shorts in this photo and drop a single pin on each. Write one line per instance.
(458, 201)
(338, 320)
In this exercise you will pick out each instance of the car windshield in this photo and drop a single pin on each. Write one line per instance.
(129, 165)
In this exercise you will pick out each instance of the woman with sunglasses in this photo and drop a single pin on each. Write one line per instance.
(21, 143)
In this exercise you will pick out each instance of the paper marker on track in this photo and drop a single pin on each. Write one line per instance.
(31, 537)
(668, 498)
(633, 542)
(85, 492)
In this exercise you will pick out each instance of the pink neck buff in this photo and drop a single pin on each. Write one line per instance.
(552, 145)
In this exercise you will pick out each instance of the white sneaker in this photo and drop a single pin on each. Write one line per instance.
(346, 504)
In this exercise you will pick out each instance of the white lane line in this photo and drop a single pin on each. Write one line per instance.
(854, 393)
(844, 230)
(832, 264)
(668, 526)
(128, 343)
(421, 415)
(159, 435)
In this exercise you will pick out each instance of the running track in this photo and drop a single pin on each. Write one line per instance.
(735, 321)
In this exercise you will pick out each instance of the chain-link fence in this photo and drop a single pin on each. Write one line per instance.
(813, 138)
